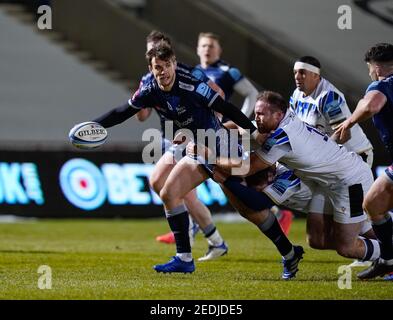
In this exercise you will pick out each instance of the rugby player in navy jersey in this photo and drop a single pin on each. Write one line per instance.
(200, 213)
(190, 103)
(378, 104)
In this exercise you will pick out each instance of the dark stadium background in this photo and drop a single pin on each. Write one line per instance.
(92, 61)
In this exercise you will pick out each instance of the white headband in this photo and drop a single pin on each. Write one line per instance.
(306, 66)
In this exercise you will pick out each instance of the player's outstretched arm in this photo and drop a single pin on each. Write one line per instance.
(116, 116)
(338, 137)
(371, 104)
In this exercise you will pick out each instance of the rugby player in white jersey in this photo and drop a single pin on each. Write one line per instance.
(320, 104)
(230, 80)
(320, 163)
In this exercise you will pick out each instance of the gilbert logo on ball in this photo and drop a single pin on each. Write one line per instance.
(88, 135)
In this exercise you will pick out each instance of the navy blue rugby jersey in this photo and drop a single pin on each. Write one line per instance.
(383, 120)
(184, 68)
(187, 104)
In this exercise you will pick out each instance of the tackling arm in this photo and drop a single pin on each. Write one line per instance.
(255, 164)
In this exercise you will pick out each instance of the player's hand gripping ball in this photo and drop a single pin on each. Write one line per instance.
(88, 135)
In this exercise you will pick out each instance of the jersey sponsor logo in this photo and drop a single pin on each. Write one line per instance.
(186, 75)
(331, 104)
(269, 143)
(184, 70)
(169, 106)
(285, 181)
(199, 74)
(278, 137)
(181, 109)
(235, 74)
(280, 186)
(186, 86)
(184, 123)
(203, 89)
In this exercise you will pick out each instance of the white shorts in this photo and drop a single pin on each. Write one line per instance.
(320, 203)
(345, 199)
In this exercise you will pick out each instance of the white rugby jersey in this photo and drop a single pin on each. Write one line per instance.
(311, 154)
(325, 108)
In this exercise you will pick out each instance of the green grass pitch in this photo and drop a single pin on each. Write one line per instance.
(113, 259)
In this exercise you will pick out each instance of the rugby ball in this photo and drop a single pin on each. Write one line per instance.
(88, 135)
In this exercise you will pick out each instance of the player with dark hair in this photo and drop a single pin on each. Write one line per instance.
(201, 215)
(154, 37)
(190, 104)
(319, 103)
(378, 104)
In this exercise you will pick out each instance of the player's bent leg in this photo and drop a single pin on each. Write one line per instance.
(348, 244)
(161, 171)
(198, 211)
(157, 179)
(367, 230)
(184, 177)
(320, 231)
(267, 223)
(367, 234)
(378, 201)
